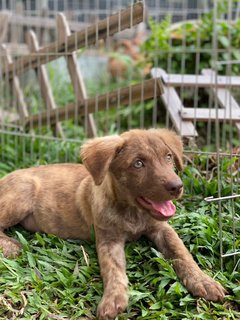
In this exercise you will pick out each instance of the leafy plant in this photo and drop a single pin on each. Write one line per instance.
(178, 49)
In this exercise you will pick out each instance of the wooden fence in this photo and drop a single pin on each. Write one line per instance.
(66, 46)
(184, 119)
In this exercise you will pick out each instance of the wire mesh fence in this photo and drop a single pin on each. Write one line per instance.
(103, 67)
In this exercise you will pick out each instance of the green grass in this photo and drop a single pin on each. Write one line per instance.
(58, 279)
(53, 277)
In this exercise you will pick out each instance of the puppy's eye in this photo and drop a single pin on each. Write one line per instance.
(169, 157)
(138, 164)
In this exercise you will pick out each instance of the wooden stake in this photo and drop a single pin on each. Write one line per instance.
(44, 82)
(75, 73)
(17, 91)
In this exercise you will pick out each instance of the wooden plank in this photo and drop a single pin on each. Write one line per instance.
(44, 83)
(123, 96)
(40, 22)
(210, 114)
(174, 106)
(224, 97)
(17, 49)
(178, 80)
(100, 30)
(17, 91)
(75, 73)
(4, 19)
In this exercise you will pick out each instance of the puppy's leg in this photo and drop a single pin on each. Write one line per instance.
(196, 281)
(11, 213)
(9, 246)
(16, 202)
(112, 264)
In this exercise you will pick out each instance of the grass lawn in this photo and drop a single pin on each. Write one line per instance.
(58, 279)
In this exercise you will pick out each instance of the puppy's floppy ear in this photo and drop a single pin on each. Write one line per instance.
(174, 143)
(97, 155)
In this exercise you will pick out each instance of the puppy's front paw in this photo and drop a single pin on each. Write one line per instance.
(205, 287)
(10, 247)
(111, 305)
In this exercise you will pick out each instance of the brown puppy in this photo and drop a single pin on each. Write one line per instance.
(125, 191)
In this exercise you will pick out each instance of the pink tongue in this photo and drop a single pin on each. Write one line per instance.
(166, 208)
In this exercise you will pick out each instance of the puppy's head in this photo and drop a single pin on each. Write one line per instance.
(141, 164)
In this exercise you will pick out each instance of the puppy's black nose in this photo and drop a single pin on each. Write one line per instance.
(174, 187)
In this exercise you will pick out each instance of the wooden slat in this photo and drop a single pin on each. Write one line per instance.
(17, 49)
(4, 18)
(122, 96)
(174, 106)
(100, 30)
(178, 80)
(44, 83)
(224, 97)
(15, 83)
(42, 22)
(210, 114)
(75, 73)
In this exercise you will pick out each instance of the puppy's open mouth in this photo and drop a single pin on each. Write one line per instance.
(162, 210)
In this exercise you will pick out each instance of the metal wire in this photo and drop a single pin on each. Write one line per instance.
(94, 64)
